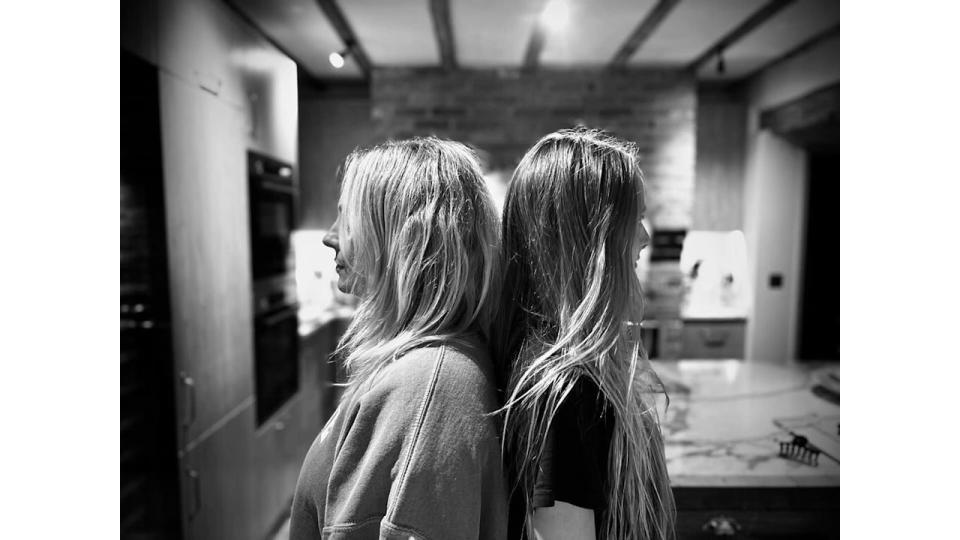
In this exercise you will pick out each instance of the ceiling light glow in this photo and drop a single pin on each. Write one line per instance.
(555, 15)
(336, 60)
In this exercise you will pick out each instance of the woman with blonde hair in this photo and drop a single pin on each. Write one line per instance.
(412, 451)
(581, 435)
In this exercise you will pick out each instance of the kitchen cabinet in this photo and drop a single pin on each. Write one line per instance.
(205, 45)
(713, 338)
(218, 478)
(209, 253)
(278, 452)
(722, 433)
(810, 513)
(201, 43)
(222, 89)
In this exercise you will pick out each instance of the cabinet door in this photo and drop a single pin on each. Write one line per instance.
(277, 455)
(206, 45)
(218, 482)
(271, 108)
(713, 339)
(205, 187)
(200, 42)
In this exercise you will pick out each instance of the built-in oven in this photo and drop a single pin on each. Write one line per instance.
(277, 353)
(273, 215)
(273, 207)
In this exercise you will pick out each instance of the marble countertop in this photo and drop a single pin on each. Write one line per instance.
(726, 419)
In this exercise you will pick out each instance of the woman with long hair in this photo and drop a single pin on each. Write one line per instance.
(412, 451)
(581, 435)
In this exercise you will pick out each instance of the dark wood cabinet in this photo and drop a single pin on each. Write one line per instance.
(713, 338)
(758, 513)
(723, 439)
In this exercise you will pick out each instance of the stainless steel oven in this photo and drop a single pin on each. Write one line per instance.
(273, 214)
(277, 353)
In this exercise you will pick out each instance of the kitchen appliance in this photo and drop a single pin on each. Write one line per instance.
(273, 203)
(276, 358)
(273, 215)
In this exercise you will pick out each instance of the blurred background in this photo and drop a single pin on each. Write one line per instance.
(235, 116)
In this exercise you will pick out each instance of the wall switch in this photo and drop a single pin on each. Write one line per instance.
(776, 281)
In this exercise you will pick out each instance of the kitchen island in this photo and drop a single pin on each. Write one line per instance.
(724, 428)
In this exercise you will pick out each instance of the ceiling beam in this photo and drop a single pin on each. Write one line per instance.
(339, 21)
(531, 58)
(642, 32)
(759, 17)
(811, 121)
(815, 40)
(443, 29)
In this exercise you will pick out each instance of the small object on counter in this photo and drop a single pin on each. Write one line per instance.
(800, 449)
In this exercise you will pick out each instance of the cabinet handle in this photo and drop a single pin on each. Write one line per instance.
(197, 501)
(187, 381)
(722, 526)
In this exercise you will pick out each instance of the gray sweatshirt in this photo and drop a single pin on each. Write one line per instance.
(414, 456)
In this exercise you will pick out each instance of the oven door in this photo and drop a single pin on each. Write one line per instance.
(272, 220)
(277, 360)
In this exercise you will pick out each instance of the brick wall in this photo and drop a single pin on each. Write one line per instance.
(503, 112)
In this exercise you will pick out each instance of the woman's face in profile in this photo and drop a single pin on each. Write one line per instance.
(641, 236)
(346, 277)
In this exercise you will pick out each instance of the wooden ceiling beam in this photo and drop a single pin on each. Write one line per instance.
(751, 23)
(443, 30)
(642, 32)
(815, 40)
(811, 121)
(345, 31)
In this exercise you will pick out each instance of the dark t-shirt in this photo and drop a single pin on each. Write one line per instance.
(573, 468)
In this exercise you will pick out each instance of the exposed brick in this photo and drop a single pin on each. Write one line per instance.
(503, 112)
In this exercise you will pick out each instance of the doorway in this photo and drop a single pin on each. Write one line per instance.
(819, 324)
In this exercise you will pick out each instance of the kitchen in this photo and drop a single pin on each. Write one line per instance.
(237, 117)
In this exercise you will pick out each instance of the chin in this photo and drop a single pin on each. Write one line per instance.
(348, 285)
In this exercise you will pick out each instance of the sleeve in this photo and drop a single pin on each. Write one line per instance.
(304, 519)
(573, 468)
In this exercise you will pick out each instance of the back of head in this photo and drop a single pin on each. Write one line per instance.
(420, 230)
(569, 227)
(568, 230)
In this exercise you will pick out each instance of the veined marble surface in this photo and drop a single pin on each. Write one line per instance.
(721, 426)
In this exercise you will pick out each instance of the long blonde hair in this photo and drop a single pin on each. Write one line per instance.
(569, 287)
(421, 234)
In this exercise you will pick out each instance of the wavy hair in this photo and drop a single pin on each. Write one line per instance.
(569, 290)
(421, 234)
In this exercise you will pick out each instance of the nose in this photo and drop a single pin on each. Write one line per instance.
(644, 237)
(332, 238)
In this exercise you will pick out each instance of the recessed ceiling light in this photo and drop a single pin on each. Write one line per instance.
(337, 59)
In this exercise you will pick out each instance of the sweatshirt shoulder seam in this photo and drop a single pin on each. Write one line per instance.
(421, 416)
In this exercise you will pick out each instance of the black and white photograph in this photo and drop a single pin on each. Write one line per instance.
(464, 269)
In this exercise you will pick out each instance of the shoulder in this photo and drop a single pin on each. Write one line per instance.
(584, 420)
(584, 397)
(440, 371)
